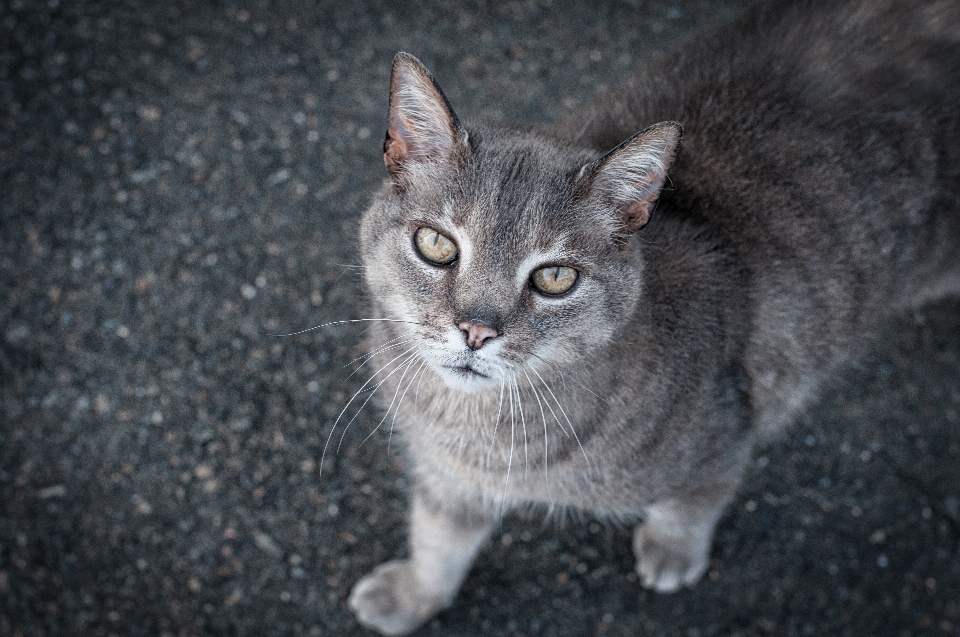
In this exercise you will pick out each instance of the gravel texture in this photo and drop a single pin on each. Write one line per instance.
(180, 180)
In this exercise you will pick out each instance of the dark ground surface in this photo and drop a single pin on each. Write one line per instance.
(181, 180)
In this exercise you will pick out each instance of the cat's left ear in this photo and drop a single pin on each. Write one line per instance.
(422, 129)
(631, 176)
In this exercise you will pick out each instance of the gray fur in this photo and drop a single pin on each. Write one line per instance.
(815, 192)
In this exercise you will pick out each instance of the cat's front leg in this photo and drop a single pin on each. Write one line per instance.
(672, 545)
(400, 595)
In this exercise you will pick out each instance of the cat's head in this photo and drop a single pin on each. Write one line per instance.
(506, 253)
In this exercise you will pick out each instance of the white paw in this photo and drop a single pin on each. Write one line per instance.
(390, 600)
(667, 562)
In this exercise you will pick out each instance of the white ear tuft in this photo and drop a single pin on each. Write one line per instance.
(422, 126)
(631, 176)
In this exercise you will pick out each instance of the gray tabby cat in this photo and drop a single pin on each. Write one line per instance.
(558, 337)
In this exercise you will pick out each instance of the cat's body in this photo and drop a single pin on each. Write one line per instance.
(827, 152)
(559, 345)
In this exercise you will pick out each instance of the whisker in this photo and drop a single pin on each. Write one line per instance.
(523, 425)
(562, 411)
(405, 364)
(583, 129)
(552, 412)
(496, 424)
(382, 349)
(406, 368)
(557, 369)
(587, 389)
(416, 394)
(377, 350)
(317, 327)
(506, 480)
(420, 370)
(546, 466)
(349, 402)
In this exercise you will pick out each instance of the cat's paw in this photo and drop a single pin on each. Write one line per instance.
(667, 561)
(391, 601)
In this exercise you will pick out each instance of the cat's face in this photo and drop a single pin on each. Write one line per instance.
(501, 255)
(498, 244)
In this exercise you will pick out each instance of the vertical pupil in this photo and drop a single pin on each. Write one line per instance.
(556, 274)
(436, 238)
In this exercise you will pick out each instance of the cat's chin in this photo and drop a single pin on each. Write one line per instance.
(466, 379)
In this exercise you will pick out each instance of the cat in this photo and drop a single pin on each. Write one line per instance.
(608, 320)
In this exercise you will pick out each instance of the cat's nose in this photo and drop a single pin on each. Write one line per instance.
(477, 333)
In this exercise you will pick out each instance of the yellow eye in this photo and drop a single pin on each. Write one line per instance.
(555, 279)
(434, 247)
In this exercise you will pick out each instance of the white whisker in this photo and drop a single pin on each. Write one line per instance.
(317, 327)
(506, 480)
(403, 365)
(378, 349)
(496, 424)
(381, 350)
(543, 415)
(406, 365)
(562, 411)
(563, 376)
(416, 394)
(523, 425)
(587, 389)
(349, 402)
(552, 412)
(396, 412)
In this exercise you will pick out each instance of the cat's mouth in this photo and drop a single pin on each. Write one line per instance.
(465, 371)
(465, 375)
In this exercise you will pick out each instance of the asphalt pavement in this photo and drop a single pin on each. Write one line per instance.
(180, 181)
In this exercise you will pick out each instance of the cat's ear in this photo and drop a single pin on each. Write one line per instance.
(422, 127)
(631, 176)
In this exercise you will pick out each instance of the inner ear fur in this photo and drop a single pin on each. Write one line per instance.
(422, 127)
(631, 176)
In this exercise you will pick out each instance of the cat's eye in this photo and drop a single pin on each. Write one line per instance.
(554, 279)
(435, 247)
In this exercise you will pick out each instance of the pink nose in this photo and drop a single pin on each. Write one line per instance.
(477, 333)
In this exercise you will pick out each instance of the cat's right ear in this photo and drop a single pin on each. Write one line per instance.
(423, 131)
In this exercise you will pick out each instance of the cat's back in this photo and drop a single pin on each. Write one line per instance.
(805, 112)
(788, 62)
(822, 142)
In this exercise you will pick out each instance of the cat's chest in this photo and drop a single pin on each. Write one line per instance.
(517, 448)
